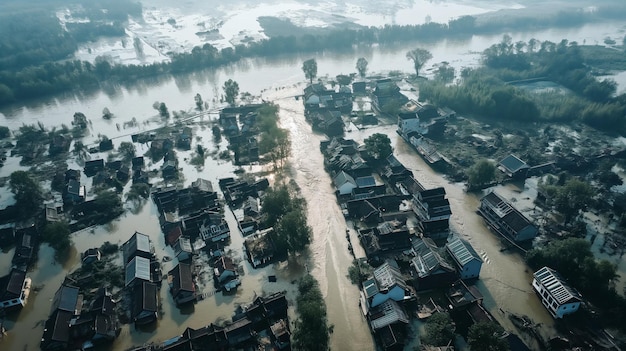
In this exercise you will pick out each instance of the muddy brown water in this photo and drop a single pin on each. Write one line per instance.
(505, 280)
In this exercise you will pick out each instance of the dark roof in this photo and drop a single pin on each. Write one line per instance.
(432, 192)
(11, 284)
(73, 187)
(67, 298)
(57, 327)
(145, 298)
(513, 164)
(507, 213)
(428, 111)
(182, 279)
(367, 181)
(224, 263)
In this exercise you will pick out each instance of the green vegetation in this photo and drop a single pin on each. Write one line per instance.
(231, 90)
(274, 141)
(4, 132)
(439, 329)
(568, 197)
(482, 173)
(358, 272)
(57, 235)
(419, 57)
(28, 193)
(573, 259)
(378, 146)
(487, 336)
(483, 92)
(311, 332)
(284, 210)
(138, 191)
(40, 76)
(309, 67)
(127, 150)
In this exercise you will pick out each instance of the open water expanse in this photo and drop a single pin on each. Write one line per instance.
(505, 279)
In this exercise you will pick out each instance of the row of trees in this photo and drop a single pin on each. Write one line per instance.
(439, 331)
(484, 92)
(39, 79)
(311, 331)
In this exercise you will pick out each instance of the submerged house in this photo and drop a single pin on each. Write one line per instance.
(137, 271)
(505, 219)
(145, 303)
(225, 273)
(431, 269)
(387, 283)
(433, 210)
(181, 284)
(260, 248)
(556, 295)
(138, 245)
(513, 167)
(468, 262)
(66, 305)
(14, 289)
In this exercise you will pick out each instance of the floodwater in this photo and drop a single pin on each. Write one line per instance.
(505, 280)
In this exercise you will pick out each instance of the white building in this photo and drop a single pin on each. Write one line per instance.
(558, 297)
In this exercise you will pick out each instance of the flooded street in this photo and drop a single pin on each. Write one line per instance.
(505, 280)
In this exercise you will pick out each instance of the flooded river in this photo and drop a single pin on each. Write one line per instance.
(505, 281)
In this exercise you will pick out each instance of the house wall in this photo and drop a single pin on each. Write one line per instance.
(346, 189)
(557, 311)
(471, 270)
(526, 234)
(567, 309)
(410, 125)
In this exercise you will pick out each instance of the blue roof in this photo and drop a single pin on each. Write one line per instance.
(363, 182)
(513, 164)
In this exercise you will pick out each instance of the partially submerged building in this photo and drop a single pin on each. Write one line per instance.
(467, 261)
(505, 219)
(555, 293)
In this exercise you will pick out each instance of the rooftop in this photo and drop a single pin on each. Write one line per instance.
(138, 267)
(552, 281)
(513, 164)
(462, 251)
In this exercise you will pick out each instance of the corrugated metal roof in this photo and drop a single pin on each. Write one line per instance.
(556, 285)
(462, 251)
(138, 267)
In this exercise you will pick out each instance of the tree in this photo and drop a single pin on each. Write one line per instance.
(28, 194)
(292, 233)
(483, 172)
(231, 90)
(361, 66)
(127, 150)
(487, 336)
(309, 67)
(379, 146)
(199, 102)
(276, 203)
(419, 57)
(439, 329)
(4, 132)
(57, 235)
(106, 114)
(163, 111)
(445, 73)
(311, 328)
(343, 79)
(574, 196)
